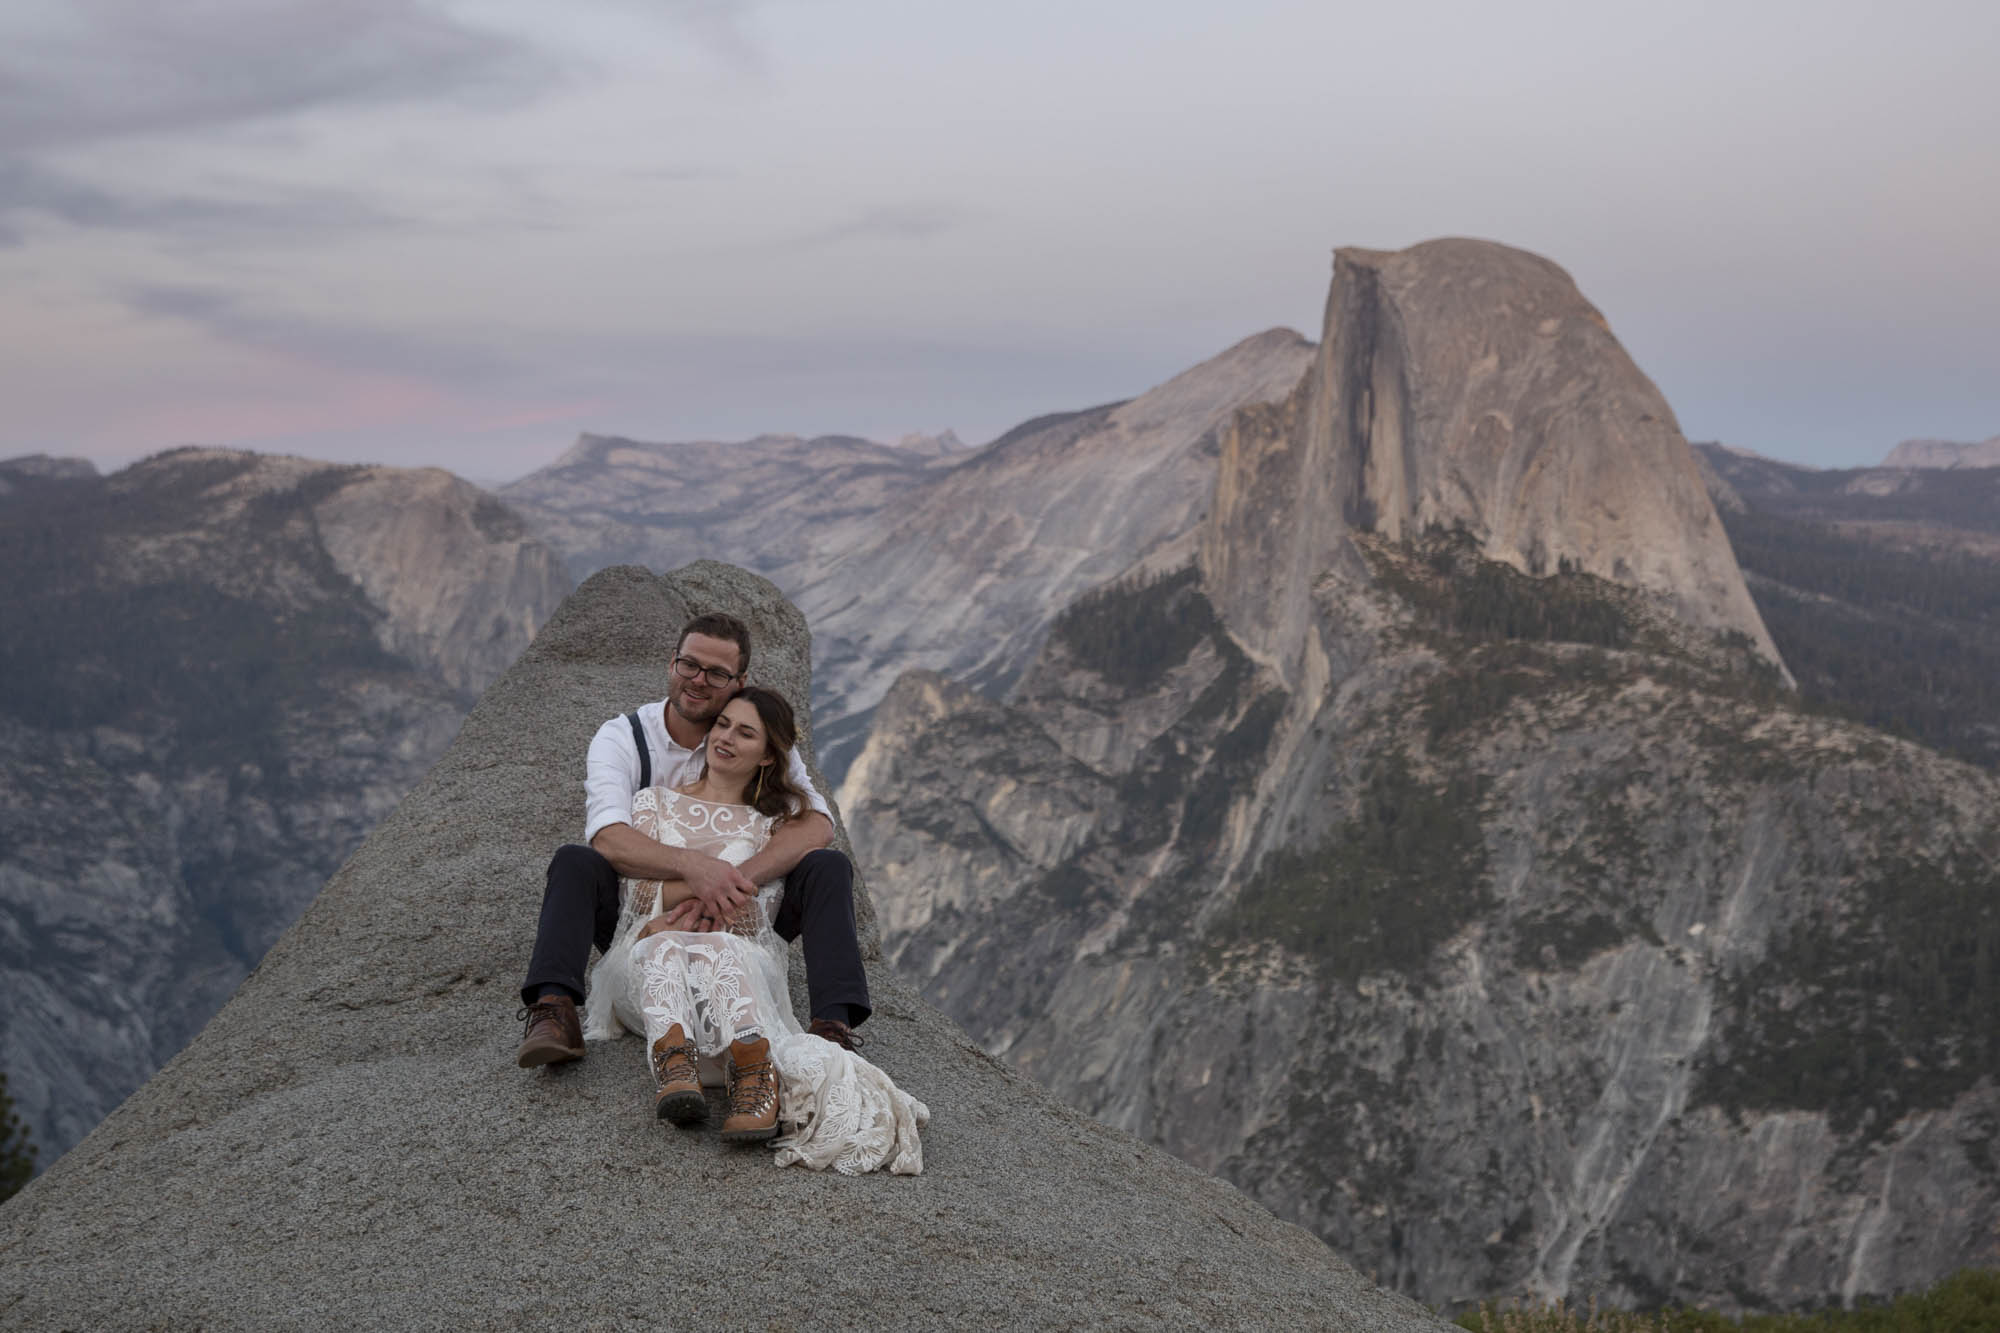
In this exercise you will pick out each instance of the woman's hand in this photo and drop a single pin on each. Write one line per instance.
(687, 914)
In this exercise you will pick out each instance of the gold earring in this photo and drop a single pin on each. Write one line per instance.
(760, 785)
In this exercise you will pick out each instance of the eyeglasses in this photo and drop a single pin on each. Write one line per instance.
(687, 669)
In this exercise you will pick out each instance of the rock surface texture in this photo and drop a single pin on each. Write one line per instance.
(349, 1144)
(222, 669)
(1516, 934)
(926, 556)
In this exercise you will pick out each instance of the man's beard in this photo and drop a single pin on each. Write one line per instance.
(678, 700)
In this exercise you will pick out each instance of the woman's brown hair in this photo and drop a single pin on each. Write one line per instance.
(772, 791)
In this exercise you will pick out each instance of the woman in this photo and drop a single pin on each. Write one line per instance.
(715, 1001)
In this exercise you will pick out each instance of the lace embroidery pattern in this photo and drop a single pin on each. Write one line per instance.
(698, 981)
(838, 1111)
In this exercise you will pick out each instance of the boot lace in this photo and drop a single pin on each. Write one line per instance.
(674, 1064)
(531, 1014)
(752, 1088)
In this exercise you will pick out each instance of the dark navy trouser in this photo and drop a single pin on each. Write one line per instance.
(580, 908)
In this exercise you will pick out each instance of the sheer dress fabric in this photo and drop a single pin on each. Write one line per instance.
(836, 1110)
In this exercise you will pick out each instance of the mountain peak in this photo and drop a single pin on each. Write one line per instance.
(1944, 454)
(942, 445)
(1466, 384)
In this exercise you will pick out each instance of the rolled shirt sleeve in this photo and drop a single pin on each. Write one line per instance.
(611, 777)
(803, 781)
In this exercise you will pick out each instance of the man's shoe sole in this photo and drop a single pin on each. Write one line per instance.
(534, 1057)
(686, 1107)
(750, 1135)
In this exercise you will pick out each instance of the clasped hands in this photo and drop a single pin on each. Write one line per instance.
(717, 894)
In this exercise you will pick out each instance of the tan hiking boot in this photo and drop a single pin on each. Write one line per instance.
(680, 1098)
(753, 1093)
(553, 1033)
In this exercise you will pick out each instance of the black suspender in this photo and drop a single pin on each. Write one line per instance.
(645, 759)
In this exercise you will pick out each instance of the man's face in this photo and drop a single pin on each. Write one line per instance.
(693, 697)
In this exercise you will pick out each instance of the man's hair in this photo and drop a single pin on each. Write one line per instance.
(716, 625)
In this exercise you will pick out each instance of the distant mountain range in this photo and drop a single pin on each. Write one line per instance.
(1944, 454)
(221, 670)
(916, 557)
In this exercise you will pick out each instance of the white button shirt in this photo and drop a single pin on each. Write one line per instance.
(611, 774)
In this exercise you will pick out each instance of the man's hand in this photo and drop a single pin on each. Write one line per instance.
(719, 886)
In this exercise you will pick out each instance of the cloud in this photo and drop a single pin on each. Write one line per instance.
(915, 222)
(29, 188)
(341, 344)
(74, 71)
(719, 25)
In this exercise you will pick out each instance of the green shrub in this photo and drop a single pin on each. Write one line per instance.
(1897, 1009)
(1389, 886)
(1457, 590)
(1134, 631)
(17, 1154)
(1966, 1302)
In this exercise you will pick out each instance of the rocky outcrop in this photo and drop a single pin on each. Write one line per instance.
(920, 558)
(1944, 454)
(223, 670)
(348, 1142)
(1463, 384)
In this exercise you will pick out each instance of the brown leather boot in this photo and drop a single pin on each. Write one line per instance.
(753, 1093)
(553, 1033)
(680, 1099)
(837, 1032)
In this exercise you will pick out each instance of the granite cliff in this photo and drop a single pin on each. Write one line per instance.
(919, 556)
(1458, 872)
(222, 669)
(349, 1144)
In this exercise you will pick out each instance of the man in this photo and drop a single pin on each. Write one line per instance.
(580, 902)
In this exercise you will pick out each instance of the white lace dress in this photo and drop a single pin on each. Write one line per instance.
(835, 1109)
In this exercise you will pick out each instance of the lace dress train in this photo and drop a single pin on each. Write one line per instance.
(836, 1109)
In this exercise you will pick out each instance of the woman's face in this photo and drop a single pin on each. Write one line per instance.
(736, 743)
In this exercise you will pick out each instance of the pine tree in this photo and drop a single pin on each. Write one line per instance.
(17, 1155)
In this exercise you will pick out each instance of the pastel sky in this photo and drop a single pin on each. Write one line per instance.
(460, 234)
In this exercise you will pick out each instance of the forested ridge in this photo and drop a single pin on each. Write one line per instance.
(1879, 613)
